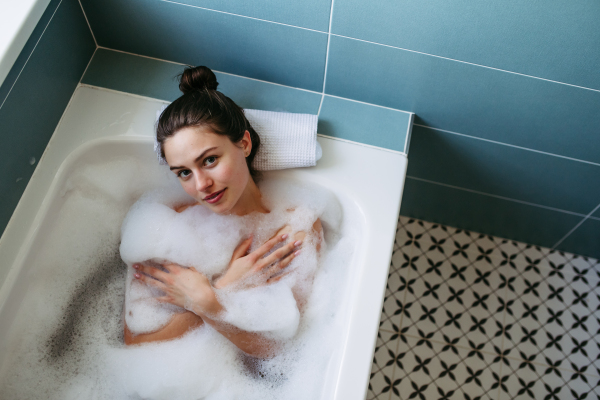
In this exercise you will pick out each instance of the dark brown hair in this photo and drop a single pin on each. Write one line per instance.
(202, 105)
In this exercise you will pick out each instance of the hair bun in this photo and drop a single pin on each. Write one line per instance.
(197, 78)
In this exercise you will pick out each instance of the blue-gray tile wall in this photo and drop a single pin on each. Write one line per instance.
(503, 170)
(472, 100)
(584, 240)
(243, 46)
(487, 214)
(34, 97)
(506, 95)
(158, 79)
(554, 40)
(310, 14)
(351, 120)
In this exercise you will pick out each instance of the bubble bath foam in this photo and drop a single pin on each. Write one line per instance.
(63, 290)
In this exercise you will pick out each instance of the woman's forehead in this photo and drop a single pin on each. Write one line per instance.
(189, 142)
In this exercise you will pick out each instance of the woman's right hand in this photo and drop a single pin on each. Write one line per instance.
(250, 269)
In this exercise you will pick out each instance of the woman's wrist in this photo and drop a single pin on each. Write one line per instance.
(204, 303)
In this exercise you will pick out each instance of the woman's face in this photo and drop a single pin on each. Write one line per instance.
(210, 167)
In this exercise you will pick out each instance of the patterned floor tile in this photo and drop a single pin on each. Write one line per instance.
(383, 368)
(469, 316)
(455, 298)
(525, 379)
(405, 234)
(554, 316)
(429, 370)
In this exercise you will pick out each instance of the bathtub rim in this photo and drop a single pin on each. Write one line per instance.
(355, 367)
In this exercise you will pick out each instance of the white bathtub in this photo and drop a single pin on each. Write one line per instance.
(100, 123)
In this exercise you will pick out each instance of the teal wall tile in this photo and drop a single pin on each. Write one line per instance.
(311, 14)
(158, 79)
(256, 49)
(555, 40)
(585, 240)
(503, 171)
(485, 214)
(27, 49)
(364, 123)
(134, 74)
(471, 100)
(38, 98)
(258, 95)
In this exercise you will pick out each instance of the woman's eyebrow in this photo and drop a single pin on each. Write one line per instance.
(197, 158)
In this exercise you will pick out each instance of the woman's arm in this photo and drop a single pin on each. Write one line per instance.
(187, 288)
(179, 324)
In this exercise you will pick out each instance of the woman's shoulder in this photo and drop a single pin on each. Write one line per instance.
(183, 207)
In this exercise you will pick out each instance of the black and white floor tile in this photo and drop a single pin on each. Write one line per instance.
(469, 316)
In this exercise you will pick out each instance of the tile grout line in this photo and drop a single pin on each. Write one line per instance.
(88, 24)
(510, 145)
(363, 102)
(495, 196)
(369, 104)
(326, 58)
(575, 227)
(30, 54)
(488, 353)
(87, 66)
(503, 369)
(242, 16)
(466, 62)
(215, 70)
(260, 80)
(385, 45)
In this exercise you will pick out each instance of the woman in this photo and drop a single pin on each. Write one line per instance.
(209, 144)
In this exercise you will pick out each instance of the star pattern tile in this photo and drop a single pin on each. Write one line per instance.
(470, 316)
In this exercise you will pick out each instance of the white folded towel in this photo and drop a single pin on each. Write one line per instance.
(287, 140)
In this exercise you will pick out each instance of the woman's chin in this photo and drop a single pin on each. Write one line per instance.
(221, 208)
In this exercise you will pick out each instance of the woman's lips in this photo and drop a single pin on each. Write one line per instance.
(216, 196)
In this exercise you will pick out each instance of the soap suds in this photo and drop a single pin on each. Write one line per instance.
(66, 341)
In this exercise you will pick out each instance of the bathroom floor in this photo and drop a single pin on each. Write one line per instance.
(468, 316)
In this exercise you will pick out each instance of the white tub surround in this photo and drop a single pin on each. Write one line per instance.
(100, 122)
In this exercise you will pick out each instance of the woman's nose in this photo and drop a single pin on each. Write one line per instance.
(203, 182)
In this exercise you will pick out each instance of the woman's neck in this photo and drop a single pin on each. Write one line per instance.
(250, 201)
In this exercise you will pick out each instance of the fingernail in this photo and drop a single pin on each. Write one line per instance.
(297, 252)
(137, 275)
(298, 243)
(136, 266)
(284, 236)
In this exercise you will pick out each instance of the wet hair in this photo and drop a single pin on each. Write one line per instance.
(203, 105)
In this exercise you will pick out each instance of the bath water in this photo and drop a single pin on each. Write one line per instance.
(68, 333)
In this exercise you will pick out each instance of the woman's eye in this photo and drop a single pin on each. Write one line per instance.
(210, 160)
(184, 173)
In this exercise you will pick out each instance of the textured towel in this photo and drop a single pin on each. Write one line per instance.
(287, 140)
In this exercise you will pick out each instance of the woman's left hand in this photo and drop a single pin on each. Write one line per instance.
(183, 287)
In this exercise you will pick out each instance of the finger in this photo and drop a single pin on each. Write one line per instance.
(164, 299)
(286, 261)
(277, 267)
(242, 249)
(278, 277)
(279, 253)
(174, 268)
(269, 244)
(149, 281)
(151, 271)
(282, 231)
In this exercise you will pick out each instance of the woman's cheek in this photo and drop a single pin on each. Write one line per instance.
(190, 189)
